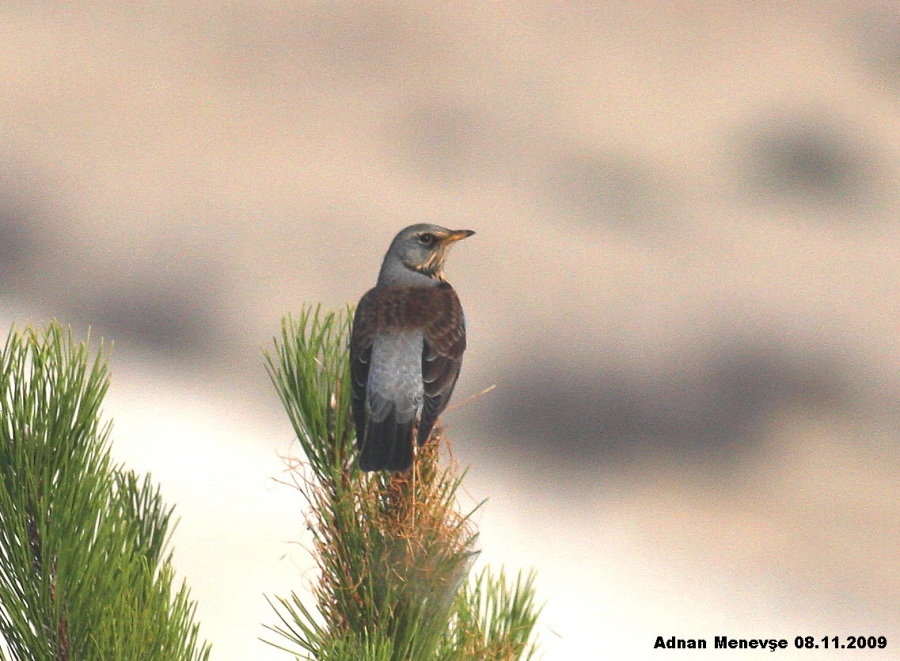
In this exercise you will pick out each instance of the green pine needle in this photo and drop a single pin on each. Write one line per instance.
(84, 571)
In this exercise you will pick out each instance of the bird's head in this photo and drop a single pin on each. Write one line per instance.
(419, 249)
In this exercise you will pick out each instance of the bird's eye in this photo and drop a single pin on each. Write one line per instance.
(426, 239)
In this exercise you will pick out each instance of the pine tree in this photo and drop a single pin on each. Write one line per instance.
(84, 569)
(393, 550)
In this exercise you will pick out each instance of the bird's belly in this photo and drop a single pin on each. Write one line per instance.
(395, 374)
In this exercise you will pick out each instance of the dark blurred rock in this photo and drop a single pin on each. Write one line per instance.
(17, 243)
(24, 237)
(166, 313)
(708, 414)
(810, 159)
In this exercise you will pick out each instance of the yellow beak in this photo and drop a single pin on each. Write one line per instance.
(457, 235)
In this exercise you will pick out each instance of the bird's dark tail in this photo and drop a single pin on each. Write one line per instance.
(388, 445)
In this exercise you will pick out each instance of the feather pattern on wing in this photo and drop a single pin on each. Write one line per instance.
(435, 317)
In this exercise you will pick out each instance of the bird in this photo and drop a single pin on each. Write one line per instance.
(406, 347)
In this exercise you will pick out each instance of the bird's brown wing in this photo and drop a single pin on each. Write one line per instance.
(438, 313)
(361, 338)
(444, 335)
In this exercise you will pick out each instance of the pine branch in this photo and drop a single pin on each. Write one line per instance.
(84, 571)
(393, 550)
(493, 620)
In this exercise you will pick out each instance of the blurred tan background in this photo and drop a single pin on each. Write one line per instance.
(684, 282)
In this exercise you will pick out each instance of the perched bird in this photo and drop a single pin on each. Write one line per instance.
(406, 348)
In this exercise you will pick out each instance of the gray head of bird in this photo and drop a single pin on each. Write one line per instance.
(417, 254)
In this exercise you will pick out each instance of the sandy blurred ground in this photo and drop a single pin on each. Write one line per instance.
(684, 282)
